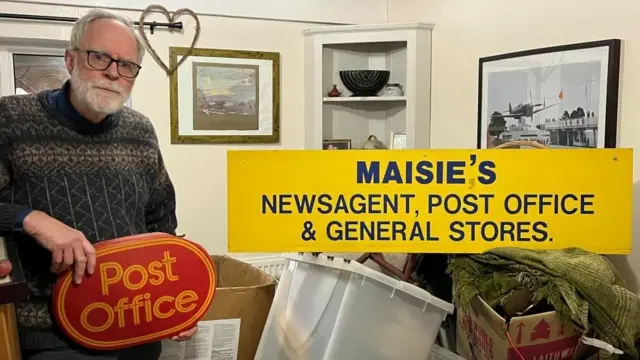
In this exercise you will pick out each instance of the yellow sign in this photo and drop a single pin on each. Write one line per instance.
(429, 201)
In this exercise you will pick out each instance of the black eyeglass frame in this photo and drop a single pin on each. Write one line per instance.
(111, 61)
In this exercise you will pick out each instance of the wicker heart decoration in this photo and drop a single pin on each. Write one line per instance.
(171, 18)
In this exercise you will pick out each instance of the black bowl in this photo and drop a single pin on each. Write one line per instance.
(364, 82)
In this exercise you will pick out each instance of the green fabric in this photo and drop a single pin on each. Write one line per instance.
(583, 287)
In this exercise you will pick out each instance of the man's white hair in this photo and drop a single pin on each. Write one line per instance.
(95, 14)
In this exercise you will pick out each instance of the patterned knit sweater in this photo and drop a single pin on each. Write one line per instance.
(107, 180)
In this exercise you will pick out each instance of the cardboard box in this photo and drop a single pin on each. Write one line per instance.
(246, 293)
(482, 334)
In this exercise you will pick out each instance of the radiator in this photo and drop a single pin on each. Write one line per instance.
(271, 265)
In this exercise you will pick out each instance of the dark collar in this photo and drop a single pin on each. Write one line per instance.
(63, 110)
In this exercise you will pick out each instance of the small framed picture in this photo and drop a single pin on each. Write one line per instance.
(336, 144)
(398, 140)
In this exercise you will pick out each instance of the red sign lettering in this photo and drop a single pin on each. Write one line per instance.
(145, 288)
(478, 338)
(562, 349)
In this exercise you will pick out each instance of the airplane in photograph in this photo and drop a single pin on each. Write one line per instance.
(525, 110)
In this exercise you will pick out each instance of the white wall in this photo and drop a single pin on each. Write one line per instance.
(319, 11)
(201, 188)
(469, 29)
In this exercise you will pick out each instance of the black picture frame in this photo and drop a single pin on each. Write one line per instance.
(608, 117)
(336, 144)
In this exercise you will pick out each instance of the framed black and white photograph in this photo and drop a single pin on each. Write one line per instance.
(336, 144)
(560, 97)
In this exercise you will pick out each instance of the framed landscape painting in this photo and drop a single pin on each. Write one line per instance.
(560, 97)
(225, 97)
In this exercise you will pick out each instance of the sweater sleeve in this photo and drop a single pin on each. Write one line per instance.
(10, 214)
(161, 207)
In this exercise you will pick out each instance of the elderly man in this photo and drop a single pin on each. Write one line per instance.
(76, 167)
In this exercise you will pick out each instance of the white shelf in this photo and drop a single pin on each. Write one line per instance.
(364, 99)
(402, 49)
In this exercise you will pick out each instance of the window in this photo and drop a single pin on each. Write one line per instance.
(34, 73)
(26, 70)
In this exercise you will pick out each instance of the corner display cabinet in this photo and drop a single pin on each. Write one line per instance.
(404, 50)
(401, 51)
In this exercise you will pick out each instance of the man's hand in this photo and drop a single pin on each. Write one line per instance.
(186, 335)
(68, 246)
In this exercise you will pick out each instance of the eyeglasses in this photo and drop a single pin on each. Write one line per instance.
(101, 61)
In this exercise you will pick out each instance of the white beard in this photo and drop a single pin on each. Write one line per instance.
(97, 99)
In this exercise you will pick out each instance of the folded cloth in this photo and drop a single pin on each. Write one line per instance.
(583, 287)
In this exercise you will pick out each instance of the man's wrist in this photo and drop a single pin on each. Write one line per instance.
(18, 225)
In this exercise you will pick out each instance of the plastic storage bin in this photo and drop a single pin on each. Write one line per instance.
(326, 308)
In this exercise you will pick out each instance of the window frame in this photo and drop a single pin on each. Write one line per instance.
(7, 80)
(7, 76)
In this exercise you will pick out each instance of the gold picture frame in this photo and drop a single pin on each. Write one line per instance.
(227, 97)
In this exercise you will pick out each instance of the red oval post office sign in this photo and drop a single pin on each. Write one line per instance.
(144, 288)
